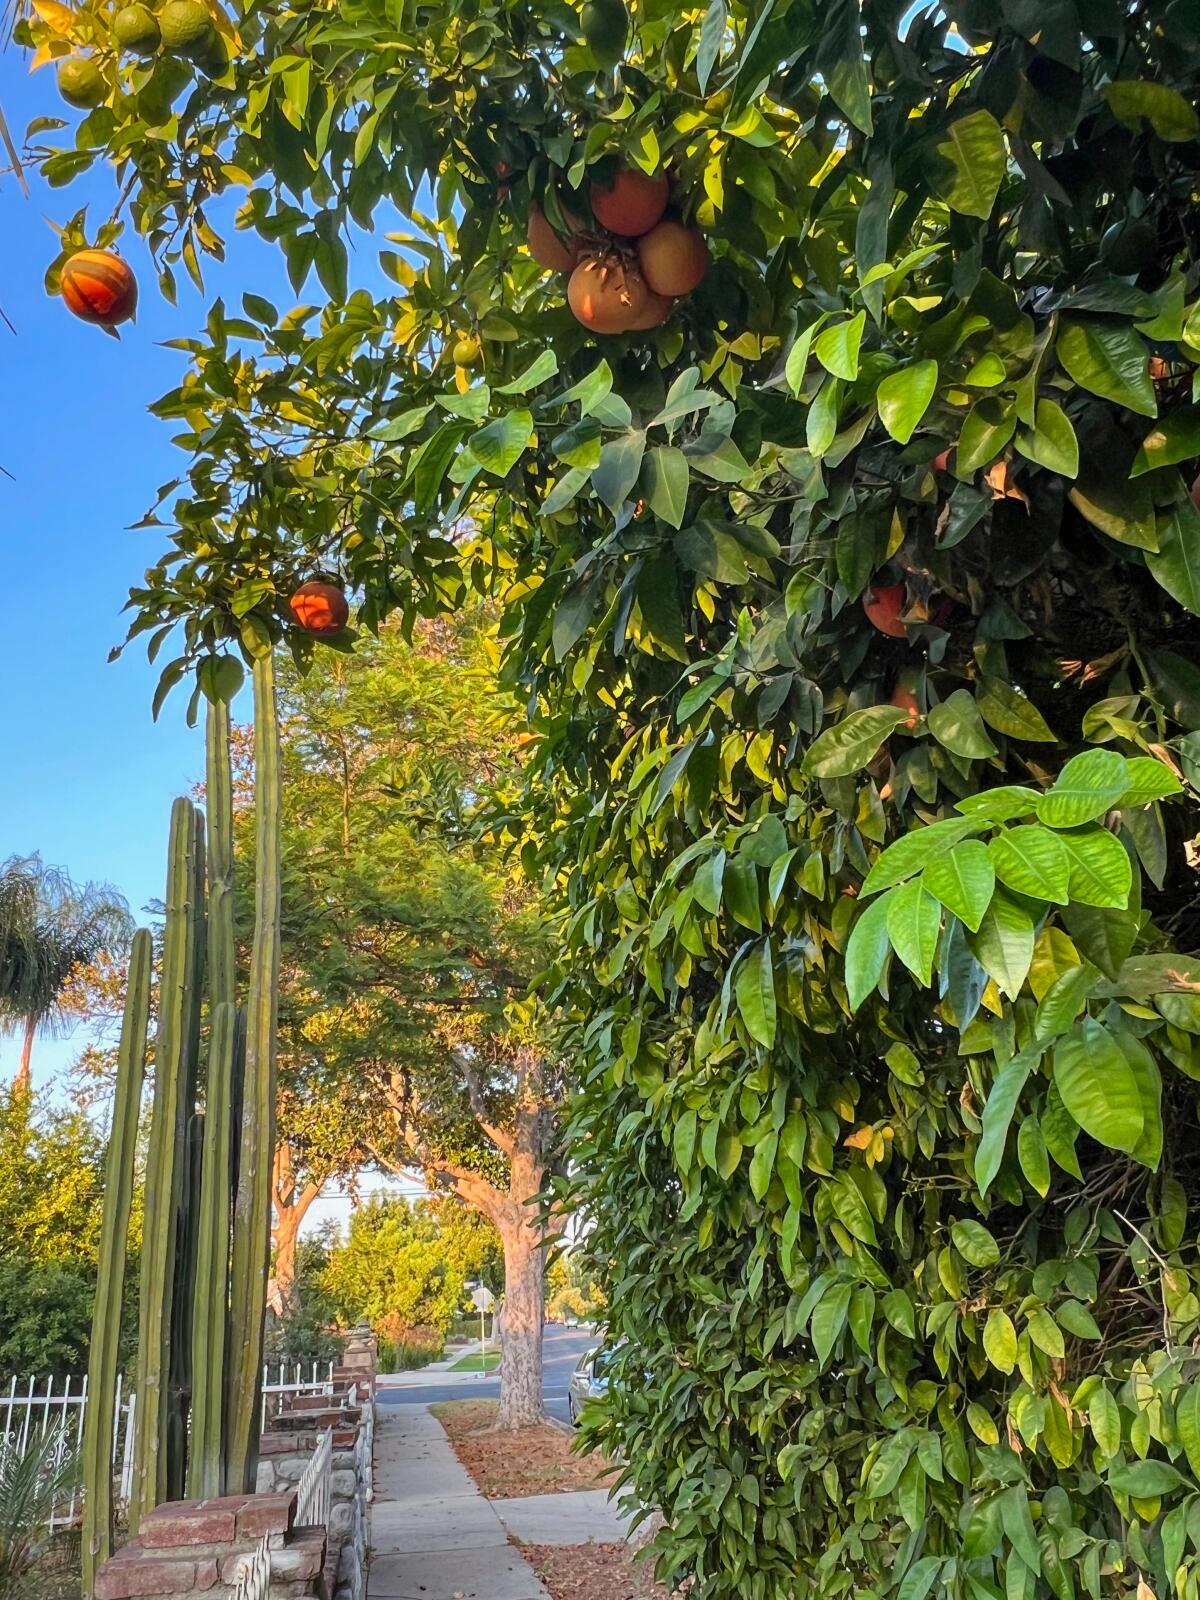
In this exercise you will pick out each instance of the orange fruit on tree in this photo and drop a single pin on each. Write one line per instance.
(545, 246)
(941, 461)
(674, 258)
(98, 286)
(883, 604)
(631, 204)
(657, 309)
(320, 608)
(606, 295)
(905, 700)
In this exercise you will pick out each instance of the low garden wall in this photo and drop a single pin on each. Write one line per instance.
(303, 1532)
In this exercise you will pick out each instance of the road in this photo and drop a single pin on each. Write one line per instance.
(562, 1350)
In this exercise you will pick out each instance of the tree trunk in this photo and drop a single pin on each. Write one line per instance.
(521, 1404)
(23, 1081)
(287, 1231)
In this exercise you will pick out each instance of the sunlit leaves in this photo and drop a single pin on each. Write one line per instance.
(967, 164)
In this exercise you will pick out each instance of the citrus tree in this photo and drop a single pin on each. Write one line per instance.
(856, 608)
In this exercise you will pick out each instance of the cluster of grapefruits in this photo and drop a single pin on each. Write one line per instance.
(180, 28)
(627, 272)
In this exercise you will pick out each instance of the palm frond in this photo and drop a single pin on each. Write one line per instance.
(35, 1481)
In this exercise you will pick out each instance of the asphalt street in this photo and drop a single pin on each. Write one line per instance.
(562, 1350)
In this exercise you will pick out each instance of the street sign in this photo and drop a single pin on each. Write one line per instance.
(483, 1299)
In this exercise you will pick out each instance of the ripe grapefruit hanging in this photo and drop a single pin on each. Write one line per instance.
(546, 248)
(606, 295)
(631, 204)
(674, 258)
(657, 309)
(99, 287)
(883, 604)
(320, 608)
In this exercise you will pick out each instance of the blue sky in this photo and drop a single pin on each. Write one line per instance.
(88, 777)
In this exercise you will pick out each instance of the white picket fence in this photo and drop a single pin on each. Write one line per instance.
(33, 1409)
(255, 1580)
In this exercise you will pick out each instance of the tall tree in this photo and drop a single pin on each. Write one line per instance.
(406, 954)
(51, 928)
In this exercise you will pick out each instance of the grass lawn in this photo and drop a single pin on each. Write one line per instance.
(478, 1363)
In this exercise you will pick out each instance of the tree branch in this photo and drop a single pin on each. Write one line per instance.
(504, 1142)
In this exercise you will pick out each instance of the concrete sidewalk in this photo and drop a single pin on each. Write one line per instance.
(435, 1375)
(433, 1535)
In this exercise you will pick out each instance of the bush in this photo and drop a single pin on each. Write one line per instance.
(45, 1316)
(409, 1350)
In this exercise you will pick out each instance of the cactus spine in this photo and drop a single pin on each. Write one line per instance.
(159, 1436)
(104, 1358)
(206, 1467)
(252, 1213)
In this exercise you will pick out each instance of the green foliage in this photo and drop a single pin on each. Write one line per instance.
(883, 1023)
(33, 1483)
(406, 1266)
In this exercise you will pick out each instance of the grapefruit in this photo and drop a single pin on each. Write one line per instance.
(320, 608)
(186, 28)
(657, 309)
(99, 287)
(631, 204)
(883, 604)
(905, 700)
(605, 26)
(941, 461)
(465, 352)
(136, 28)
(546, 248)
(674, 258)
(605, 295)
(81, 83)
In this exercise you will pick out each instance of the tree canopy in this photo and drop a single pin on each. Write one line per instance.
(855, 608)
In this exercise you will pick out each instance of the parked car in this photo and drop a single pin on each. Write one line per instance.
(589, 1380)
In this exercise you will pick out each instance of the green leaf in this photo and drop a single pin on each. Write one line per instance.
(1108, 358)
(821, 423)
(851, 1209)
(797, 358)
(1000, 1340)
(666, 475)
(1033, 861)
(988, 427)
(683, 1141)
(1064, 1000)
(958, 727)
(1146, 1480)
(974, 1243)
(1051, 442)
(898, 1310)
(1077, 1320)
(1173, 439)
(1017, 1522)
(1147, 780)
(619, 467)
(1089, 785)
(866, 951)
(911, 852)
(220, 677)
(1187, 1424)
(1008, 711)
(849, 745)
(1033, 1156)
(754, 987)
(837, 348)
(1046, 1333)
(1100, 870)
(963, 879)
(712, 35)
(829, 1319)
(1104, 1415)
(968, 165)
(565, 490)
(1176, 563)
(500, 445)
(1122, 509)
(1171, 116)
(542, 367)
(903, 398)
(1098, 1086)
(1004, 943)
(913, 922)
(1005, 803)
(840, 61)
(919, 1579)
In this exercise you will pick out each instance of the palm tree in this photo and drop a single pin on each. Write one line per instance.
(49, 927)
(35, 1480)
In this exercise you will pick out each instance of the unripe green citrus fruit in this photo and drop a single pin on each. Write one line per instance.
(81, 83)
(606, 29)
(465, 352)
(186, 27)
(136, 28)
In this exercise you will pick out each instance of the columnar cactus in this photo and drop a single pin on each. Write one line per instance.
(206, 1462)
(252, 1211)
(104, 1355)
(158, 1443)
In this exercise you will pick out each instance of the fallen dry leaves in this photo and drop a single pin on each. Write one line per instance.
(507, 1466)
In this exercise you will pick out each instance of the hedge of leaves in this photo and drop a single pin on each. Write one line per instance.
(878, 969)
